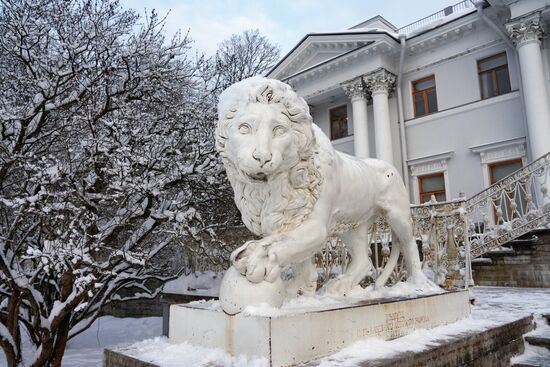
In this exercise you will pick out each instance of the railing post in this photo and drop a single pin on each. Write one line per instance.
(468, 276)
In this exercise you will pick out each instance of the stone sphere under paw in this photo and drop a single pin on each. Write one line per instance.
(237, 293)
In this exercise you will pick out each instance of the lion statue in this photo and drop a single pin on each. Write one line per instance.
(295, 191)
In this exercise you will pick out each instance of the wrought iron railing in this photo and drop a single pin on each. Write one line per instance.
(510, 208)
(451, 234)
(459, 7)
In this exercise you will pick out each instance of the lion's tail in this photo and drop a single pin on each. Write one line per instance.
(390, 265)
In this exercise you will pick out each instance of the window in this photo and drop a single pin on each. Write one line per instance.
(339, 122)
(494, 79)
(433, 184)
(424, 96)
(499, 170)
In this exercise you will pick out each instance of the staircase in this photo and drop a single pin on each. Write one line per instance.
(537, 346)
(523, 262)
(506, 225)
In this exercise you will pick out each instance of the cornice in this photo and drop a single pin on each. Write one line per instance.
(429, 164)
(376, 47)
(314, 41)
(448, 32)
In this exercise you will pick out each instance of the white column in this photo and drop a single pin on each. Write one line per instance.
(526, 34)
(357, 92)
(380, 84)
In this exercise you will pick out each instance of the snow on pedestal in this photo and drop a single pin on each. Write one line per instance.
(286, 337)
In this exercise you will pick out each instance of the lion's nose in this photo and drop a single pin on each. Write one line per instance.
(262, 157)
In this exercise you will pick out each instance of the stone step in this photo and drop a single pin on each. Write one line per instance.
(537, 233)
(500, 252)
(482, 261)
(521, 244)
(542, 340)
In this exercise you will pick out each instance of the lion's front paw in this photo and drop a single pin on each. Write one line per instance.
(255, 260)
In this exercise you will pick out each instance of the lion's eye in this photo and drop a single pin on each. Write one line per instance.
(279, 130)
(244, 129)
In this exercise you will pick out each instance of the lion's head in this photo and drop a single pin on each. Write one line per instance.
(266, 141)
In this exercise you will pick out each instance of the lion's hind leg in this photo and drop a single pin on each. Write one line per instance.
(399, 219)
(360, 265)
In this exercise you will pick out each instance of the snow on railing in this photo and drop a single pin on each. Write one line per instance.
(459, 7)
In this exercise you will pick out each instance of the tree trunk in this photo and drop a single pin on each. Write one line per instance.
(61, 341)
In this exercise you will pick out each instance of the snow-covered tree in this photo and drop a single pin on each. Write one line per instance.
(244, 55)
(106, 158)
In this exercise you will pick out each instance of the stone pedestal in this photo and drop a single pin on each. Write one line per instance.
(292, 337)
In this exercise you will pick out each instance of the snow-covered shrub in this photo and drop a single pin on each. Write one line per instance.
(106, 160)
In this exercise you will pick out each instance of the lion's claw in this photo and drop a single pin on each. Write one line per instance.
(255, 260)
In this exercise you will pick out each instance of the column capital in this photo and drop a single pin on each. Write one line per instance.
(355, 89)
(526, 30)
(380, 81)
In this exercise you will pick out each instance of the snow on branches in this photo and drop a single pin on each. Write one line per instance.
(106, 158)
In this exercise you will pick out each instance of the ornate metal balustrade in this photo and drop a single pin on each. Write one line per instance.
(510, 208)
(458, 7)
(450, 234)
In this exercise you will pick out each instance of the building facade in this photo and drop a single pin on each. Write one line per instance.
(456, 100)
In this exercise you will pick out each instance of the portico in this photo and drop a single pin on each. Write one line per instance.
(463, 84)
(376, 86)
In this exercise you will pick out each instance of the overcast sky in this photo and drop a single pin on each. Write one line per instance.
(284, 22)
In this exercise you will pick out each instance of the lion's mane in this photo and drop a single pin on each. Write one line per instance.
(287, 199)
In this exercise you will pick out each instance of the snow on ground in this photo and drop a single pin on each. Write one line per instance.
(532, 352)
(493, 305)
(86, 349)
(160, 351)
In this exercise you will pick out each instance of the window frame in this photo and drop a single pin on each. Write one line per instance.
(331, 121)
(430, 193)
(491, 165)
(492, 72)
(424, 94)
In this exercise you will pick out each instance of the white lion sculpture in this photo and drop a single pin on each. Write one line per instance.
(294, 190)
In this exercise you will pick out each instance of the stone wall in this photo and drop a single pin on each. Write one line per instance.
(490, 348)
(134, 308)
(521, 263)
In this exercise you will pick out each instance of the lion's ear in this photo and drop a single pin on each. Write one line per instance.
(299, 176)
